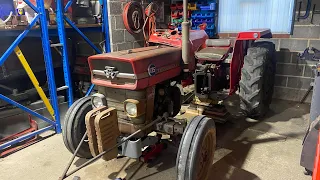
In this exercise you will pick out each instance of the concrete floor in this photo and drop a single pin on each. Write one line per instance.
(247, 149)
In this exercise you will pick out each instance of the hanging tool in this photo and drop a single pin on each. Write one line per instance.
(306, 15)
(34, 80)
(314, 11)
(149, 26)
(134, 22)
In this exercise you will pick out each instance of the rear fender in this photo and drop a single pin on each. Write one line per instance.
(243, 42)
(236, 65)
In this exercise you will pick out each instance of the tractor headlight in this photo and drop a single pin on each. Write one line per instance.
(131, 109)
(98, 100)
(134, 108)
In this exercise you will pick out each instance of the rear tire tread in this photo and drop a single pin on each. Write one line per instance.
(257, 79)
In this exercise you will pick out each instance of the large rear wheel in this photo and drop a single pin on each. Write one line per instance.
(257, 79)
(196, 151)
(74, 127)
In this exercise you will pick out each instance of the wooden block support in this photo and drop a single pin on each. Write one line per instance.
(107, 130)
(92, 137)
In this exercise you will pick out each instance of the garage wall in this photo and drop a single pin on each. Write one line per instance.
(120, 38)
(248, 14)
(293, 76)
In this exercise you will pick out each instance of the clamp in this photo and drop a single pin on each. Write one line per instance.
(315, 56)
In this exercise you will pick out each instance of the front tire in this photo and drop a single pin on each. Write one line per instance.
(74, 127)
(196, 151)
(257, 79)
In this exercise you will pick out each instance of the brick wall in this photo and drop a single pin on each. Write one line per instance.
(294, 76)
(120, 38)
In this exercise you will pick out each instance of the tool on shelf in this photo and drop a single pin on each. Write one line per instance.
(199, 13)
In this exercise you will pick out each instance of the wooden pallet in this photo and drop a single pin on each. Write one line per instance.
(216, 112)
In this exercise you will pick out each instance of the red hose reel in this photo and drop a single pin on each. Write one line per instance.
(133, 17)
(136, 19)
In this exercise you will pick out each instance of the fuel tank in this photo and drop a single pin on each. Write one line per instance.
(136, 69)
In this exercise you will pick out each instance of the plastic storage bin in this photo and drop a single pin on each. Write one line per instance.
(210, 6)
(192, 6)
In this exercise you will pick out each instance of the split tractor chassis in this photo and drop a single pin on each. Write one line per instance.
(140, 91)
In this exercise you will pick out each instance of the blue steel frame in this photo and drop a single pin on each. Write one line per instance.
(41, 16)
(105, 29)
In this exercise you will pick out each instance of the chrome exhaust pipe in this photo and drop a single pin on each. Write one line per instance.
(185, 34)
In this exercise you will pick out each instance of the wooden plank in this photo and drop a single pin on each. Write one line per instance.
(107, 130)
(89, 119)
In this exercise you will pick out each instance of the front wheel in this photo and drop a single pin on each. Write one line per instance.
(74, 127)
(196, 151)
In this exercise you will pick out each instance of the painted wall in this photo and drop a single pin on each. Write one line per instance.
(241, 15)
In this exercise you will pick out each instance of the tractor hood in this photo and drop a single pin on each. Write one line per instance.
(135, 68)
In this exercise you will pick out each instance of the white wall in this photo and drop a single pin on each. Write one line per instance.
(241, 15)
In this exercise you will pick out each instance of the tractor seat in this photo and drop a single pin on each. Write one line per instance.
(216, 50)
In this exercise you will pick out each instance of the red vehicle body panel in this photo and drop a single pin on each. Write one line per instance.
(173, 38)
(169, 57)
(239, 50)
(254, 34)
(165, 59)
(236, 66)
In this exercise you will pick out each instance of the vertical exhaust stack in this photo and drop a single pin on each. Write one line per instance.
(185, 34)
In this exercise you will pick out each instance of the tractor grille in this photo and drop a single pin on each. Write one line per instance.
(123, 67)
(125, 73)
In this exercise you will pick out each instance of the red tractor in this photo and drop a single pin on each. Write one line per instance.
(139, 92)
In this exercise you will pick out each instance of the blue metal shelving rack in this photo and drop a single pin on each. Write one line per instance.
(105, 29)
(41, 17)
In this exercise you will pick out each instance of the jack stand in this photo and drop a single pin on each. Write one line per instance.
(152, 151)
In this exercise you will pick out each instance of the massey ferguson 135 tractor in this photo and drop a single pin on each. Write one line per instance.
(138, 93)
